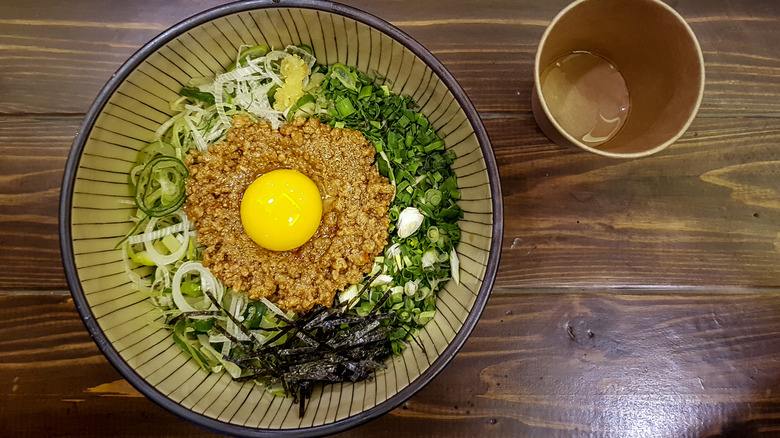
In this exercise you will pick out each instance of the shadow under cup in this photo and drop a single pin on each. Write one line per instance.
(654, 50)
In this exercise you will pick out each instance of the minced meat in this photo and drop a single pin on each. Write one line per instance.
(354, 222)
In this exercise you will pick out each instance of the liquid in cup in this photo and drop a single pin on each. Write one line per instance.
(587, 96)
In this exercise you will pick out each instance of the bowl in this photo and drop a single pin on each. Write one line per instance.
(95, 210)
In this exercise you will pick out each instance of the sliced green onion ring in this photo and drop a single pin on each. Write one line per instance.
(160, 187)
(207, 283)
(150, 235)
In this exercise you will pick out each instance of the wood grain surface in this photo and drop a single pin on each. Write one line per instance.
(634, 298)
(538, 364)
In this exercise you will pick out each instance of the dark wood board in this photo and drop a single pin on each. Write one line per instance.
(634, 298)
(539, 363)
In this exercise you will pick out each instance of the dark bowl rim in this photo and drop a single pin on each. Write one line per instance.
(66, 201)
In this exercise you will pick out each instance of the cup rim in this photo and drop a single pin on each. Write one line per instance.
(574, 141)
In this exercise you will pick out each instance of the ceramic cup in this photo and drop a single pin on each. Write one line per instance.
(617, 78)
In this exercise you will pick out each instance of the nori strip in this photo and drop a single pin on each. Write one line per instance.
(227, 334)
(336, 323)
(307, 338)
(321, 370)
(314, 312)
(367, 338)
(297, 351)
(323, 345)
(238, 323)
(414, 338)
(348, 336)
(304, 393)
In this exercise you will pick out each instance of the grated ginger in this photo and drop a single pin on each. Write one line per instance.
(295, 70)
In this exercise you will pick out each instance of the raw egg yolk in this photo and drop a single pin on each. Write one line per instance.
(281, 210)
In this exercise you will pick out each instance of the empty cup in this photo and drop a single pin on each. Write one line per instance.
(619, 78)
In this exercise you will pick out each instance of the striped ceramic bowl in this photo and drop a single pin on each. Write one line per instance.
(94, 213)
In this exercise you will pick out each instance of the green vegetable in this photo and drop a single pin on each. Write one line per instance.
(413, 156)
(306, 48)
(203, 325)
(253, 316)
(345, 75)
(160, 187)
(250, 53)
(182, 338)
(299, 109)
(197, 95)
(344, 107)
(191, 289)
(154, 149)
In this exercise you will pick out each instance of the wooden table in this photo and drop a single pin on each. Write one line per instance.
(634, 298)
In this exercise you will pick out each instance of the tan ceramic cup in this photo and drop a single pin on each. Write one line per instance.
(656, 52)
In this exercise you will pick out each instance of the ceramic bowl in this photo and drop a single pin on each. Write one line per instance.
(94, 213)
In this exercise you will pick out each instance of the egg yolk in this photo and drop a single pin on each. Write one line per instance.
(281, 210)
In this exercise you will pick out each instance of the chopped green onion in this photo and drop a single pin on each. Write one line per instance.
(433, 234)
(344, 75)
(433, 196)
(344, 107)
(365, 92)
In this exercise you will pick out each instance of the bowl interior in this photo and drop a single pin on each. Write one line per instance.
(97, 204)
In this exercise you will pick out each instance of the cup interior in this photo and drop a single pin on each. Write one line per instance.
(655, 51)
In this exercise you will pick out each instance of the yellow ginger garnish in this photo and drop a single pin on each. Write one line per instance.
(295, 70)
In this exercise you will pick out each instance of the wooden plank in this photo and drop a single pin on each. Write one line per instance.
(700, 213)
(489, 49)
(537, 365)
(34, 151)
(699, 218)
(704, 212)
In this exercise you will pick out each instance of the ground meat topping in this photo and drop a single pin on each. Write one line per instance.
(354, 222)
